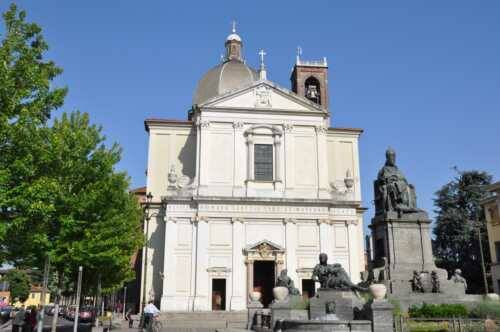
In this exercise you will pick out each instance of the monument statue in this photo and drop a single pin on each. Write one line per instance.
(393, 193)
(284, 280)
(458, 278)
(332, 276)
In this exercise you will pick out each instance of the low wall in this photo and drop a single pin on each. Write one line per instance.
(317, 325)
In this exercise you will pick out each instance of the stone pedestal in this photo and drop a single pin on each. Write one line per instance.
(253, 307)
(405, 244)
(382, 318)
(341, 302)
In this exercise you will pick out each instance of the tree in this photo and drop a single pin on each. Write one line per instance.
(59, 192)
(459, 215)
(26, 102)
(19, 284)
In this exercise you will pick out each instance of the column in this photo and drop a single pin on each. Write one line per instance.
(352, 245)
(201, 299)
(322, 156)
(291, 246)
(238, 298)
(325, 237)
(240, 157)
(277, 158)
(249, 264)
(289, 162)
(203, 159)
(169, 275)
(250, 175)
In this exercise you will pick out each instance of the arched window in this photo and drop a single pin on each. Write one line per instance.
(313, 90)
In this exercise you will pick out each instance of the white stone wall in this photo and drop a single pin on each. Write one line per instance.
(305, 210)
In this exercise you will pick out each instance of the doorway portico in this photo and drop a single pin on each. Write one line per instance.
(264, 261)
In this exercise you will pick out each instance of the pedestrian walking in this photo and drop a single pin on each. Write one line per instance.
(31, 319)
(128, 317)
(19, 320)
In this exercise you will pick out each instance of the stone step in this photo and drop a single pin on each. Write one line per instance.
(209, 320)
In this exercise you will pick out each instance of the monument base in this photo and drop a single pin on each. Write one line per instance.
(342, 303)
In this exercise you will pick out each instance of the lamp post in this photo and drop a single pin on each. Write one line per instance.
(147, 218)
(477, 226)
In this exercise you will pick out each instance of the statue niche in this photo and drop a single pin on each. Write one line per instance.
(394, 196)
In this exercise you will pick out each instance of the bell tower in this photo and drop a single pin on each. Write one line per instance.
(310, 80)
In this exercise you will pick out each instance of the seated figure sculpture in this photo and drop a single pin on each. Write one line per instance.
(284, 280)
(333, 276)
(393, 193)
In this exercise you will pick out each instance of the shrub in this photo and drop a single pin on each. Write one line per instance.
(438, 311)
(486, 309)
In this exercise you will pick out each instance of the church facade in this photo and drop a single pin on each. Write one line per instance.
(253, 182)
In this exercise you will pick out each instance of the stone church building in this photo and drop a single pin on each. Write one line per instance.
(253, 182)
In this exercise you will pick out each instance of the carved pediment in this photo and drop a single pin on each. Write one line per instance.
(263, 95)
(265, 249)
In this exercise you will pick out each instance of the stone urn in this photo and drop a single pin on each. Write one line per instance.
(378, 291)
(255, 296)
(280, 293)
(492, 297)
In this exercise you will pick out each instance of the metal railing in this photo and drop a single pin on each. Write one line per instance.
(403, 324)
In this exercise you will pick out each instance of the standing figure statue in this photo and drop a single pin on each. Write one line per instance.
(284, 280)
(416, 282)
(393, 193)
(458, 278)
(333, 276)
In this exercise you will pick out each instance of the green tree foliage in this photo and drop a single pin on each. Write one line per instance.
(19, 284)
(456, 243)
(60, 194)
(26, 101)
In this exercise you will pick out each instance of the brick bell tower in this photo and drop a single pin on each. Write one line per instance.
(310, 80)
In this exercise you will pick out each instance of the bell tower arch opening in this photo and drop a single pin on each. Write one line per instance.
(312, 88)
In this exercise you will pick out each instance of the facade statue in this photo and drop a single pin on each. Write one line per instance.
(436, 287)
(416, 282)
(284, 280)
(393, 193)
(458, 278)
(332, 276)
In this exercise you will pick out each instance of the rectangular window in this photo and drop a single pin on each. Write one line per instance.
(497, 250)
(263, 159)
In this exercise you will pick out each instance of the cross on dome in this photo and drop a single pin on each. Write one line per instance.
(262, 54)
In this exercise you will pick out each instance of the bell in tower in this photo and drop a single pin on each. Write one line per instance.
(233, 45)
(310, 80)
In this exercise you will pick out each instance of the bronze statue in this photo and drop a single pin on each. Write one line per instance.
(284, 280)
(333, 276)
(393, 193)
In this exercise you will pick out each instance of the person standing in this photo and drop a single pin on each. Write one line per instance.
(19, 320)
(150, 310)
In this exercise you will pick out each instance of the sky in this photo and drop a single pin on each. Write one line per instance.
(420, 76)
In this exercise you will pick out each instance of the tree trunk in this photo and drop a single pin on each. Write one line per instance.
(56, 304)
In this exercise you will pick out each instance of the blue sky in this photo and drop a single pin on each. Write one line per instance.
(420, 76)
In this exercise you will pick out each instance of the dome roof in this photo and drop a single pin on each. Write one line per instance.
(233, 36)
(225, 77)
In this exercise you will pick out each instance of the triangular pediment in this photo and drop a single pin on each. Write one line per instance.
(265, 247)
(263, 95)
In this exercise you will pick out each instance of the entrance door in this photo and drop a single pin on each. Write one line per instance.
(263, 280)
(308, 290)
(218, 294)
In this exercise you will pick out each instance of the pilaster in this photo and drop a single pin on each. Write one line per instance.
(169, 275)
(238, 298)
(201, 299)
(291, 246)
(322, 156)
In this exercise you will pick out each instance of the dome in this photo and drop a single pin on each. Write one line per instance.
(225, 77)
(233, 36)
